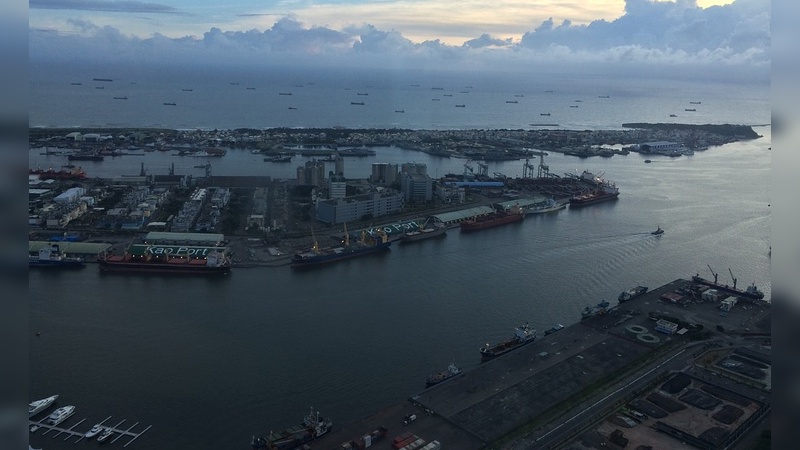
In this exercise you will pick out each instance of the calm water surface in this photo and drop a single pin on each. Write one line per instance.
(209, 362)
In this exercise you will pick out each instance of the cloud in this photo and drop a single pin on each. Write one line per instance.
(655, 37)
(126, 6)
(487, 41)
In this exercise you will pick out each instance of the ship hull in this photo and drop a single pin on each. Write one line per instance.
(729, 289)
(632, 294)
(490, 222)
(422, 235)
(592, 199)
(502, 349)
(63, 264)
(323, 259)
(161, 268)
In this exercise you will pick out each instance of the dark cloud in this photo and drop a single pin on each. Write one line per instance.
(653, 37)
(124, 6)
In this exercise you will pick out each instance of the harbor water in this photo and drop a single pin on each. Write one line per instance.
(210, 362)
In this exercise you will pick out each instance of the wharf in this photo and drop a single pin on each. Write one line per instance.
(530, 391)
(70, 432)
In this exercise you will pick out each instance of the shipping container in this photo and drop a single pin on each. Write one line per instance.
(433, 445)
(415, 444)
(405, 442)
(402, 437)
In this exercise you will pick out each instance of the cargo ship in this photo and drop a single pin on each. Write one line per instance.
(602, 190)
(751, 292)
(549, 205)
(167, 259)
(296, 437)
(316, 256)
(85, 157)
(630, 294)
(51, 174)
(436, 378)
(51, 256)
(523, 334)
(424, 232)
(595, 310)
(493, 219)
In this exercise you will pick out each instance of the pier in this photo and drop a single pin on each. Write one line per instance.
(70, 432)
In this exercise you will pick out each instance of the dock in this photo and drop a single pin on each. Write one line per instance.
(119, 431)
(548, 393)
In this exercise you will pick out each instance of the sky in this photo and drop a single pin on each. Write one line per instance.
(698, 37)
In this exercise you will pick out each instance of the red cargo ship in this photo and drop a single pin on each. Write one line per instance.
(51, 174)
(162, 259)
(493, 219)
(603, 190)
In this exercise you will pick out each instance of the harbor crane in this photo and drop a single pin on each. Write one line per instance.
(483, 168)
(469, 171)
(544, 169)
(527, 169)
(713, 273)
(732, 277)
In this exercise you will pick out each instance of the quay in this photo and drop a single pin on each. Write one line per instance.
(572, 384)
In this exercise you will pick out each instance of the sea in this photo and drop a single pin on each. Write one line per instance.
(211, 362)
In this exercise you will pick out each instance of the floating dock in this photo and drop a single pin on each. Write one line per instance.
(70, 432)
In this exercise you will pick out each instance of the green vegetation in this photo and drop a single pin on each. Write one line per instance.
(744, 131)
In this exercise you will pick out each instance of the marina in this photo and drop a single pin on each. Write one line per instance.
(119, 431)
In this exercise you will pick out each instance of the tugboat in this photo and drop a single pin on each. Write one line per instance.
(658, 232)
(436, 378)
(523, 334)
(630, 294)
(51, 256)
(598, 309)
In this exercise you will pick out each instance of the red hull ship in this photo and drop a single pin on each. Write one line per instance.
(494, 219)
(603, 190)
(50, 174)
(167, 260)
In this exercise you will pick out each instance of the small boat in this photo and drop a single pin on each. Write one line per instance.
(169, 104)
(94, 431)
(648, 161)
(34, 428)
(544, 114)
(657, 232)
(284, 93)
(673, 115)
(186, 90)
(399, 111)
(107, 432)
(556, 327)
(121, 98)
(292, 107)
(436, 378)
(511, 101)
(690, 109)
(357, 103)
(630, 294)
(60, 415)
(38, 406)
(461, 106)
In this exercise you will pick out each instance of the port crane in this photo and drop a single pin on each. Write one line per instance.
(469, 171)
(527, 169)
(544, 169)
(732, 277)
(713, 273)
(483, 168)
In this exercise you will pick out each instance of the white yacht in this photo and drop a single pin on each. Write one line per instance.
(94, 431)
(107, 432)
(60, 415)
(40, 405)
